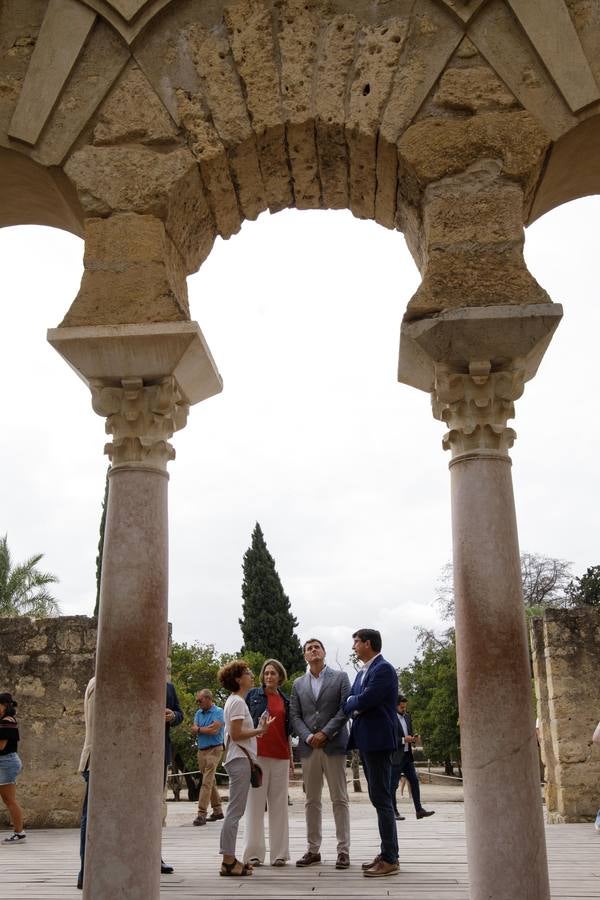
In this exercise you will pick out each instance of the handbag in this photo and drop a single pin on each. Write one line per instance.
(256, 773)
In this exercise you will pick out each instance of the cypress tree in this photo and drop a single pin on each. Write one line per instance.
(267, 622)
(101, 544)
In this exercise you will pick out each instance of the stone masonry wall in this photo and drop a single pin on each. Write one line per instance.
(46, 665)
(566, 664)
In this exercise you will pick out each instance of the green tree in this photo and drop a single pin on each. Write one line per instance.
(23, 588)
(101, 544)
(193, 667)
(429, 683)
(585, 590)
(267, 622)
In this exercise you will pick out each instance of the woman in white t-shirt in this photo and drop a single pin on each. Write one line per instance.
(240, 743)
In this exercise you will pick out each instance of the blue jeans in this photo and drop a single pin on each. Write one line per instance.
(406, 768)
(83, 827)
(10, 766)
(377, 766)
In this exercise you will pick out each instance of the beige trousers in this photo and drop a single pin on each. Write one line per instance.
(208, 760)
(273, 792)
(333, 767)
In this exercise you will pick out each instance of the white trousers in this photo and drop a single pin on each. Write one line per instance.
(273, 792)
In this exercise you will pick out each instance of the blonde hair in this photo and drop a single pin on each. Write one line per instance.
(279, 668)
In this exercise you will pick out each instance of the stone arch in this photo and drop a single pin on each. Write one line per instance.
(35, 195)
(202, 115)
(572, 170)
(450, 120)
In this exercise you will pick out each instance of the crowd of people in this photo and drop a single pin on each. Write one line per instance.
(252, 735)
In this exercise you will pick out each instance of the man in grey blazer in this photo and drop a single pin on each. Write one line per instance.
(318, 718)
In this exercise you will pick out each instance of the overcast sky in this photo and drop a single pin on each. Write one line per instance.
(312, 436)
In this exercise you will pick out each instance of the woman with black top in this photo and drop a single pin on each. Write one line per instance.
(10, 766)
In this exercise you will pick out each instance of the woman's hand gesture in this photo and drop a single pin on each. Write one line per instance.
(264, 722)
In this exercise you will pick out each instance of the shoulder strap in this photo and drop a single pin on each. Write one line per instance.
(243, 749)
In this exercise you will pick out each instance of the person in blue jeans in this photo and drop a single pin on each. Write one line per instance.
(10, 766)
(374, 732)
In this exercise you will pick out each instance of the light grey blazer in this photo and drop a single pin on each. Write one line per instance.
(88, 714)
(325, 714)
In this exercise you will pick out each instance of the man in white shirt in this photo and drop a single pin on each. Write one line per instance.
(318, 718)
(403, 762)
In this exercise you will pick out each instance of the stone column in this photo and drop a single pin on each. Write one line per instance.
(126, 773)
(142, 412)
(478, 362)
(505, 832)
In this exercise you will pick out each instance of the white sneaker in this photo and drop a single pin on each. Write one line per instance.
(15, 838)
(597, 823)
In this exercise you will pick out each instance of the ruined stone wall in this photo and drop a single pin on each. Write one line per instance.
(566, 663)
(46, 664)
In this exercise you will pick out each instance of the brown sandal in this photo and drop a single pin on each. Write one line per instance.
(227, 869)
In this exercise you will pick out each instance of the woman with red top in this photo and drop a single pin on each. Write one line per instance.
(275, 759)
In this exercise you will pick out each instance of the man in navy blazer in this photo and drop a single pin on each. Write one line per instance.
(173, 717)
(372, 707)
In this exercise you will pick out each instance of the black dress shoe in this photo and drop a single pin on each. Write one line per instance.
(399, 818)
(165, 869)
(425, 813)
(80, 882)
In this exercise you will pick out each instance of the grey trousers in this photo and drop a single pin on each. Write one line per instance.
(239, 784)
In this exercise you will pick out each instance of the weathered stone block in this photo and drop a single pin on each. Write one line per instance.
(140, 180)
(463, 277)
(132, 273)
(438, 147)
(49, 689)
(566, 660)
(473, 89)
(133, 113)
(481, 217)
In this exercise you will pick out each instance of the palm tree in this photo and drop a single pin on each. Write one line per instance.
(23, 588)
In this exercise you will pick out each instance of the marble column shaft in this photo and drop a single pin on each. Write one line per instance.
(126, 769)
(503, 810)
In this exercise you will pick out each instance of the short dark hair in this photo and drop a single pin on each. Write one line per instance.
(313, 641)
(371, 635)
(401, 699)
(11, 704)
(230, 675)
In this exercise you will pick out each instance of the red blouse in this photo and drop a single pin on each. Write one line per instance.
(275, 743)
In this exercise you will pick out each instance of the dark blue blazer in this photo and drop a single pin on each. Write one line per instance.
(172, 703)
(372, 706)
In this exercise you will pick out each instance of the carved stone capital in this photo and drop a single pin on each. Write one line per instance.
(141, 418)
(476, 406)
